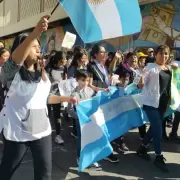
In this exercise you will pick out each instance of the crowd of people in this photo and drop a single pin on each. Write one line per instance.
(29, 83)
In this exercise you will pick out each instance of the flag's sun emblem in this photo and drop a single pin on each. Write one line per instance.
(96, 1)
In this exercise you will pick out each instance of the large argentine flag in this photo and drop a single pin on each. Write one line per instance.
(106, 117)
(103, 119)
(95, 20)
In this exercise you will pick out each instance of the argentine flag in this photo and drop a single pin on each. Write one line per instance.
(96, 20)
(104, 118)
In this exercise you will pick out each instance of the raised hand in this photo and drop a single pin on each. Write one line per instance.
(41, 26)
(118, 54)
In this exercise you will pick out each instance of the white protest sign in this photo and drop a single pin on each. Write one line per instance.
(66, 87)
(69, 40)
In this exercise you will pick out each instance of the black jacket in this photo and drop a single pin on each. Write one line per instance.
(97, 75)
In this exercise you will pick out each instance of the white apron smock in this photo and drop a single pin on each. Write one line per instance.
(24, 116)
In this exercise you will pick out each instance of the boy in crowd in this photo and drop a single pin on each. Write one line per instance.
(123, 80)
(81, 92)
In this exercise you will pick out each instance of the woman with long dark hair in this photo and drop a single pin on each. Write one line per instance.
(79, 61)
(57, 72)
(24, 117)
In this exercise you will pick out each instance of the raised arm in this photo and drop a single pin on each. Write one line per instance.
(117, 59)
(53, 99)
(21, 53)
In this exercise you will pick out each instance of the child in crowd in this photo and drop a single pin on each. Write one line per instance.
(57, 71)
(82, 92)
(123, 80)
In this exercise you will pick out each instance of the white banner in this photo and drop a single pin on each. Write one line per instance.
(69, 40)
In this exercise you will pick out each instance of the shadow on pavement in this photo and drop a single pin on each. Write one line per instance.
(133, 141)
(131, 165)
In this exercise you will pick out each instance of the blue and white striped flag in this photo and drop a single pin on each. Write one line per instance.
(107, 116)
(104, 118)
(95, 20)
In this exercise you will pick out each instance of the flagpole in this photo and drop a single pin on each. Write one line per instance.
(54, 8)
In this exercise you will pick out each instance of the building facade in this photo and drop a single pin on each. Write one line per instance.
(17, 16)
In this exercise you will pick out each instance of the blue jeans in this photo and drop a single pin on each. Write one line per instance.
(155, 130)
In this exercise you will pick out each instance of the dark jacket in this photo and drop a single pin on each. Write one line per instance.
(97, 75)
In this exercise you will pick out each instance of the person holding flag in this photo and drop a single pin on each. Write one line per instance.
(156, 95)
(24, 119)
(100, 80)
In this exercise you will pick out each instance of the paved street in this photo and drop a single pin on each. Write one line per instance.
(130, 166)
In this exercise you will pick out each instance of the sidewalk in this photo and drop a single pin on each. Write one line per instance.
(130, 166)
